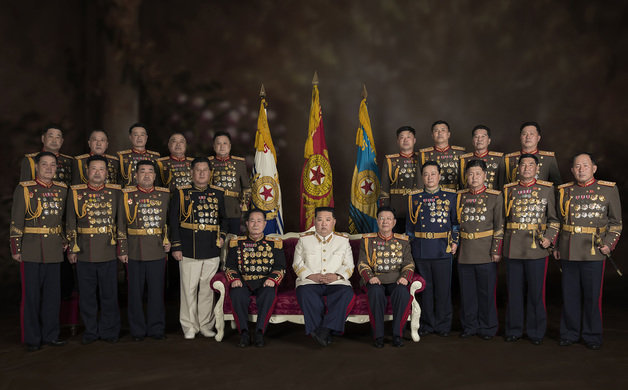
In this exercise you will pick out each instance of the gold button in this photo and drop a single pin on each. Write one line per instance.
(324, 259)
(324, 270)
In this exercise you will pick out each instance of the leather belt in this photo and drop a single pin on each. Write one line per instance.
(400, 191)
(200, 226)
(144, 232)
(583, 229)
(431, 235)
(232, 194)
(525, 226)
(95, 230)
(43, 230)
(474, 236)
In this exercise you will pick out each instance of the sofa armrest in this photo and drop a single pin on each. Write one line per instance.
(418, 284)
(219, 285)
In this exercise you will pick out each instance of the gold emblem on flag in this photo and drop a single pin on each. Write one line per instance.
(317, 175)
(264, 191)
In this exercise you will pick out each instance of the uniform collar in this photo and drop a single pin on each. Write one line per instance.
(91, 187)
(261, 237)
(147, 191)
(587, 183)
(432, 192)
(480, 155)
(179, 159)
(199, 188)
(386, 238)
(407, 155)
(442, 150)
(56, 154)
(223, 158)
(324, 240)
(530, 184)
(478, 191)
(535, 151)
(43, 184)
(139, 151)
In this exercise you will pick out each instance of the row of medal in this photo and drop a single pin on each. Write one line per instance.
(474, 213)
(407, 170)
(439, 210)
(150, 217)
(96, 216)
(595, 210)
(225, 179)
(207, 213)
(259, 268)
(51, 205)
(182, 178)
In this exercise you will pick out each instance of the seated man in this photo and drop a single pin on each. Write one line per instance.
(323, 263)
(386, 265)
(255, 266)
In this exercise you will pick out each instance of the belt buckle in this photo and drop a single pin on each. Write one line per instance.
(523, 226)
(102, 229)
(471, 236)
(577, 229)
(201, 226)
(429, 235)
(149, 231)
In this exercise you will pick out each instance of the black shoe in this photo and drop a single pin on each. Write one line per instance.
(137, 338)
(87, 341)
(564, 342)
(245, 340)
(32, 347)
(486, 337)
(320, 335)
(259, 339)
(594, 346)
(424, 332)
(159, 337)
(536, 341)
(465, 335)
(397, 342)
(379, 342)
(511, 339)
(57, 343)
(110, 340)
(443, 334)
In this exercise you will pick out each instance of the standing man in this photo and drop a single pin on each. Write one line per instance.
(96, 235)
(447, 157)
(323, 262)
(197, 224)
(98, 143)
(400, 175)
(175, 170)
(481, 213)
(386, 266)
(495, 169)
(229, 173)
(531, 227)
(530, 134)
(145, 213)
(255, 266)
(433, 226)
(129, 158)
(52, 140)
(37, 243)
(592, 224)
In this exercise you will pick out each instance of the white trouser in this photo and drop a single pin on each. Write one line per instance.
(197, 297)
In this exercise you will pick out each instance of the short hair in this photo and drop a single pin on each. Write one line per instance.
(384, 208)
(428, 163)
(96, 157)
(250, 212)
(531, 123)
(528, 155)
(222, 134)
(199, 160)
(145, 162)
(573, 159)
(440, 122)
(177, 133)
(477, 163)
(98, 131)
(481, 127)
(51, 126)
(136, 124)
(44, 154)
(406, 128)
(328, 209)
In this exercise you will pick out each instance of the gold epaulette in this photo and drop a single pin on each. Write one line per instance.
(184, 187)
(400, 236)
(129, 189)
(466, 155)
(513, 154)
(545, 183)
(448, 190)
(606, 183)
(66, 156)
(392, 155)
(163, 158)
(414, 192)
(162, 189)
(31, 154)
(278, 241)
(494, 192)
(210, 158)
(566, 185)
(86, 155)
(216, 188)
(190, 158)
(79, 186)
(497, 154)
(345, 235)
(234, 241)
(306, 234)
(60, 184)
(125, 151)
(110, 157)
(114, 186)
(546, 153)
(153, 152)
(514, 183)
(27, 183)
(463, 191)
(454, 147)
(369, 235)
(238, 158)
(426, 149)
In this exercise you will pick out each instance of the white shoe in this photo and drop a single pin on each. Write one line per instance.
(208, 333)
(189, 335)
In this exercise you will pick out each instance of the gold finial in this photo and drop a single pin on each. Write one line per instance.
(364, 93)
(315, 78)
(262, 92)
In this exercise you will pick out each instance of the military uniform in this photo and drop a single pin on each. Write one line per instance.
(592, 217)
(495, 169)
(79, 170)
(388, 259)
(530, 216)
(332, 254)
(36, 233)
(128, 164)
(64, 168)
(175, 172)
(145, 213)
(197, 223)
(400, 175)
(481, 216)
(253, 262)
(449, 161)
(433, 225)
(230, 175)
(548, 167)
(96, 233)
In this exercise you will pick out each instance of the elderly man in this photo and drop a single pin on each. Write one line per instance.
(175, 170)
(98, 143)
(255, 265)
(323, 263)
(386, 266)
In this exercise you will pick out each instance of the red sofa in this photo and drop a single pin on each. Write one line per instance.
(287, 307)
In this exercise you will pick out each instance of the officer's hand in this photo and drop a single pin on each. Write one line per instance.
(269, 283)
(236, 284)
(222, 242)
(72, 257)
(402, 281)
(557, 255)
(605, 250)
(177, 255)
(124, 258)
(167, 247)
(496, 258)
(545, 242)
(375, 280)
(316, 278)
(454, 247)
(17, 257)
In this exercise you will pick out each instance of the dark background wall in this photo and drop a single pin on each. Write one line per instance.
(196, 66)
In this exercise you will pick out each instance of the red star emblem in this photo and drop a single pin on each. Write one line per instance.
(367, 187)
(317, 175)
(266, 192)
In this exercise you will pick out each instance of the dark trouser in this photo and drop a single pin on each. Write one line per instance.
(152, 274)
(265, 298)
(436, 311)
(582, 300)
(67, 278)
(478, 308)
(234, 226)
(340, 300)
(521, 275)
(400, 301)
(99, 280)
(41, 301)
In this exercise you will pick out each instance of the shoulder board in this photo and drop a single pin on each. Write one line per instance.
(31, 154)
(213, 187)
(448, 190)
(426, 149)
(28, 183)
(238, 158)
(234, 241)
(545, 153)
(369, 235)
(498, 154)
(400, 236)
(392, 155)
(345, 235)
(463, 191)
(111, 157)
(163, 158)
(86, 155)
(545, 183)
(272, 238)
(162, 189)
(114, 186)
(467, 155)
(307, 234)
(414, 192)
(513, 154)
(125, 151)
(79, 186)
(65, 155)
(494, 192)
(454, 147)
(210, 158)
(129, 189)
(566, 185)
(153, 152)
(60, 184)
(606, 183)
(184, 187)
(514, 183)
(189, 158)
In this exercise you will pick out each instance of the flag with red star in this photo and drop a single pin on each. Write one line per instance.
(366, 180)
(316, 177)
